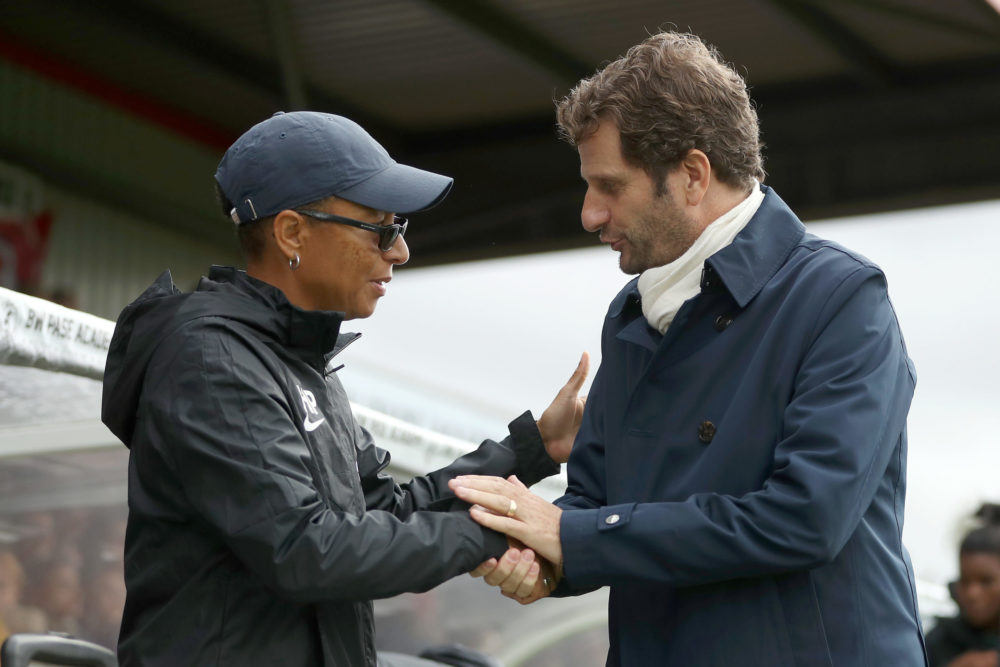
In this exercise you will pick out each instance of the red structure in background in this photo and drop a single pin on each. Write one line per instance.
(23, 244)
(94, 85)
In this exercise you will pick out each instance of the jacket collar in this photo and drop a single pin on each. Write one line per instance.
(754, 256)
(312, 334)
(746, 264)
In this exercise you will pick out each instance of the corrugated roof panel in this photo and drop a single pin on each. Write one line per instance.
(132, 60)
(601, 31)
(44, 118)
(910, 35)
(422, 68)
(236, 22)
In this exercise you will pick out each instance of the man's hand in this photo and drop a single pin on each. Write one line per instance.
(518, 573)
(507, 506)
(561, 420)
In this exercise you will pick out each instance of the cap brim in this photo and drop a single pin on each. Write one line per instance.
(400, 189)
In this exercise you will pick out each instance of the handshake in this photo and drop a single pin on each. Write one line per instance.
(531, 568)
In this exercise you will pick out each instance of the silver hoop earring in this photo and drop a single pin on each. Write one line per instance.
(293, 262)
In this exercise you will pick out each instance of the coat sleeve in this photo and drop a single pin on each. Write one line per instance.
(841, 427)
(522, 453)
(221, 424)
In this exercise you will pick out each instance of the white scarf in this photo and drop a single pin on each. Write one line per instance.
(664, 289)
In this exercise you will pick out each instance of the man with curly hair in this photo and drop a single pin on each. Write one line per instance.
(739, 477)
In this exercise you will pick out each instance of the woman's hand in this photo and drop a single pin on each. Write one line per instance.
(561, 420)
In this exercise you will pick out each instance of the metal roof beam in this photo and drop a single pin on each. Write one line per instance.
(871, 68)
(935, 19)
(258, 73)
(517, 36)
(279, 22)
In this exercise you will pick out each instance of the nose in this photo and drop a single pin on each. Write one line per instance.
(399, 253)
(594, 214)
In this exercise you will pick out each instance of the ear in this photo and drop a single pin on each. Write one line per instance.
(290, 233)
(696, 176)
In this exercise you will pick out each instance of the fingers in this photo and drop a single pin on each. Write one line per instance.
(538, 589)
(519, 599)
(520, 575)
(484, 568)
(494, 521)
(516, 573)
(501, 524)
(492, 493)
(515, 544)
(584, 366)
(505, 568)
(529, 581)
(498, 504)
(516, 482)
(579, 375)
(480, 483)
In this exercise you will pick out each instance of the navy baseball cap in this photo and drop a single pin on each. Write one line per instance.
(299, 157)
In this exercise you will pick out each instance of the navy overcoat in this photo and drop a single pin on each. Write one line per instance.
(739, 481)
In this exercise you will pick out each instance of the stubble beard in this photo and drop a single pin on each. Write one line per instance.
(660, 236)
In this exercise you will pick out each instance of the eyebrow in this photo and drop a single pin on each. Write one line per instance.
(375, 213)
(605, 180)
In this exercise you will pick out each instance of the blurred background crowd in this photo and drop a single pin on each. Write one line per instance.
(64, 574)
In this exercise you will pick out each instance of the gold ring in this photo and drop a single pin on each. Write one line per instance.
(512, 508)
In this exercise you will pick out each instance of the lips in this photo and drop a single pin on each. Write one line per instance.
(616, 244)
(380, 284)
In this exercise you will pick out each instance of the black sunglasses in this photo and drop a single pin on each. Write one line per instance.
(387, 234)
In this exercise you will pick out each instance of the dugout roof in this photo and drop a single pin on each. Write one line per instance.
(865, 104)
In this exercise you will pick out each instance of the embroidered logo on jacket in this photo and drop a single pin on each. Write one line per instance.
(313, 417)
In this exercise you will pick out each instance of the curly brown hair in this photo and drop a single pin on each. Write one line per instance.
(669, 94)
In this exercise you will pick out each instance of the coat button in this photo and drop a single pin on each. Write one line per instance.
(706, 431)
(611, 519)
(722, 322)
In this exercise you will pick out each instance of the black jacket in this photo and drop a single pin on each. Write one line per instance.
(951, 637)
(260, 521)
